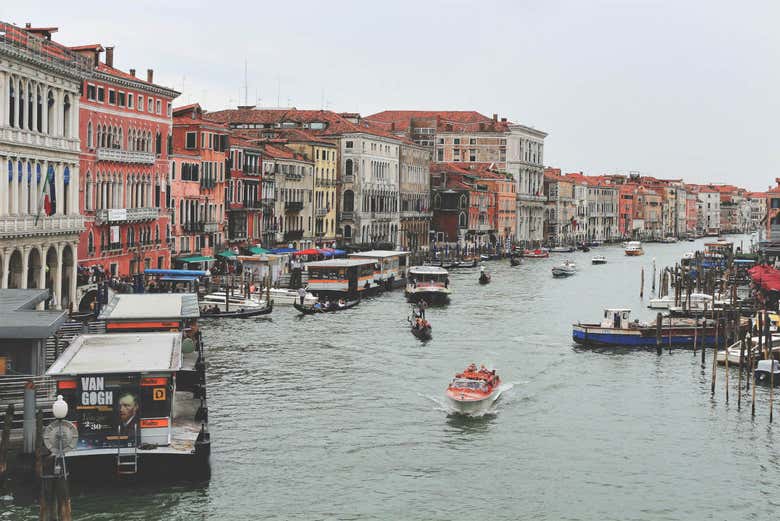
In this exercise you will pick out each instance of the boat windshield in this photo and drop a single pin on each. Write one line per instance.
(463, 383)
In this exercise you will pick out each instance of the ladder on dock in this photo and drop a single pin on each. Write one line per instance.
(127, 460)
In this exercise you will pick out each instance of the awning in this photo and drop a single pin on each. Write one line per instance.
(766, 277)
(257, 250)
(327, 252)
(338, 253)
(181, 278)
(283, 250)
(226, 253)
(194, 258)
(310, 251)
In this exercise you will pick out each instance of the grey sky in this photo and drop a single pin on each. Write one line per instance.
(667, 88)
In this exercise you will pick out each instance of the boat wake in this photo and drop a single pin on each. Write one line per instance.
(492, 410)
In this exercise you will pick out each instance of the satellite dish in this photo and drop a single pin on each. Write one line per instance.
(60, 436)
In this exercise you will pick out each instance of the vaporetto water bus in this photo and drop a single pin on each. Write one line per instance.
(428, 283)
(391, 266)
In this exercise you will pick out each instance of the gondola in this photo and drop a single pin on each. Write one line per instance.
(484, 278)
(312, 310)
(240, 313)
(422, 333)
(514, 261)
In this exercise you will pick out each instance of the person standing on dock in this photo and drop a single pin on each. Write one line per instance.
(302, 294)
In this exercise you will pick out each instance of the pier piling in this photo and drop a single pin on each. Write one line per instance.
(5, 441)
(715, 351)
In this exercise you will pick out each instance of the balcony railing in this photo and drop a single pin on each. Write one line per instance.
(348, 179)
(347, 216)
(253, 204)
(322, 212)
(293, 235)
(211, 227)
(26, 137)
(293, 206)
(193, 227)
(53, 225)
(120, 215)
(125, 156)
(237, 236)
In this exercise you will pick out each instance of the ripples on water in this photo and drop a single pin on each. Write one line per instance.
(342, 416)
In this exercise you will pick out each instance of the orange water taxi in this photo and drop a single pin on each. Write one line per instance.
(474, 390)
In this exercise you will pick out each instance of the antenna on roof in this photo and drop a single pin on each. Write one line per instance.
(278, 90)
(246, 84)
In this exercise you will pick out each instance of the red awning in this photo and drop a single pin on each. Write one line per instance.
(765, 277)
(310, 251)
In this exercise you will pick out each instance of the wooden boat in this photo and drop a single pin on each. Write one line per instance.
(764, 370)
(474, 391)
(484, 278)
(598, 259)
(616, 330)
(563, 249)
(312, 310)
(567, 269)
(514, 261)
(240, 312)
(420, 328)
(539, 253)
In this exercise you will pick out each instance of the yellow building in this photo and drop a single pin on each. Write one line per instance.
(325, 157)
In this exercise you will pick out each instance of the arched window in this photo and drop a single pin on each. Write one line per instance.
(89, 135)
(347, 232)
(462, 220)
(91, 243)
(88, 193)
(30, 101)
(50, 113)
(348, 168)
(39, 106)
(349, 201)
(11, 104)
(66, 117)
(22, 94)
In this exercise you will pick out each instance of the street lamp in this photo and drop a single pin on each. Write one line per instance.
(59, 408)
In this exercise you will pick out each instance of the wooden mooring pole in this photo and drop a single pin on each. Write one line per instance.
(659, 321)
(642, 283)
(768, 345)
(715, 351)
(5, 442)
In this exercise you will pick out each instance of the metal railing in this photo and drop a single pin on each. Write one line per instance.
(193, 227)
(293, 235)
(321, 212)
(211, 227)
(293, 206)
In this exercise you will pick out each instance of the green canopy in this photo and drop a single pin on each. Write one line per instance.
(227, 253)
(195, 258)
(257, 250)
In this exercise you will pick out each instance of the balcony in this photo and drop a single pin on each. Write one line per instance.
(25, 137)
(382, 216)
(193, 227)
(122, 215)
(236, 205)
(26, 226)
(125, 156)
(414, 214)
(293, 235)
(113, 247)
(484, 227)
(322, 212)
(348, 179)
(531, 198)
(293, 206)
(237, 235)
(253, 204)
(347, 216)
(211, 227)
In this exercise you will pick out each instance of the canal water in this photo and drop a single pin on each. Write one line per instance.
(341, 416)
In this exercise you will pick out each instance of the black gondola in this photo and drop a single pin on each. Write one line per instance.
(240, 313)
(313, 310)
(422, 333)
(514, 261)
(484, 278)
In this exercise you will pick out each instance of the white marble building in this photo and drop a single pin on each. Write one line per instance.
(39, 109)
(525, 161)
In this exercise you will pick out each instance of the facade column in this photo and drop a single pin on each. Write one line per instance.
(3, 186)
(25, 266)
(74, 274)
(59, 183)
(6, 265)
(42, 269)
(33, 187)
(58, 279)
(34, 107)
(17, 93)
(24, 190)
(45, 107)
(4, 98)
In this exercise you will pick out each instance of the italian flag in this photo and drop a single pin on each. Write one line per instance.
(47, 202)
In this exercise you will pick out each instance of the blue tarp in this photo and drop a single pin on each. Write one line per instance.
(176, 273)
(283, 250)
(339, 252)
(180, 278)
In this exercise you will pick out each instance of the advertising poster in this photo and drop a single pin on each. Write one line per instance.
(108, 412)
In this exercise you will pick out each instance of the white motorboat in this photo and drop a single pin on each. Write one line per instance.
(634, 248)
(234, 302)
(689, 255)
(286, 297)
(567, 269)
(699, 301)
(563, 249)
(669, 240)
(598, 259)
(428, 283)
(474, 391)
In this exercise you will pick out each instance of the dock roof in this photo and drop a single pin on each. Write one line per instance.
(339, 263)
(120, 353)
(378, 254)
(158, 306)
(20, 319)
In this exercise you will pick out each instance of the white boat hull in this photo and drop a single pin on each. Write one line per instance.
(473, 407)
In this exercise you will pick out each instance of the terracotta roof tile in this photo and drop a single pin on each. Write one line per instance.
(445, 120)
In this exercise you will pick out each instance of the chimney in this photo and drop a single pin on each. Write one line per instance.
(110, 56)
(495, 117)
(392, 126)
(503, 120)
(132, 72)
(150, 75)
